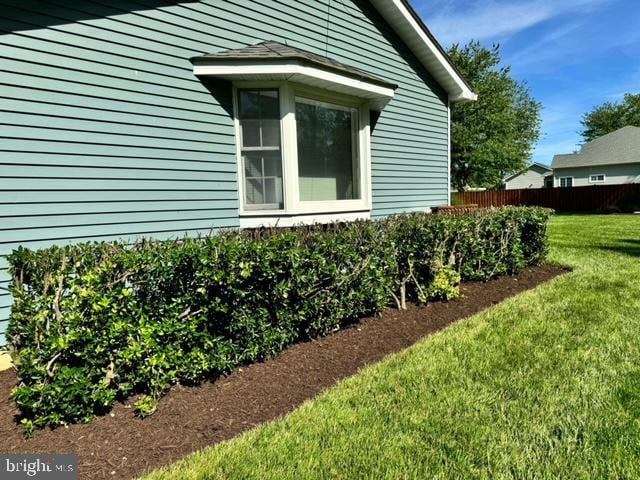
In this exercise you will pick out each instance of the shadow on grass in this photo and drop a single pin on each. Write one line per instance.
(591, 213)
(627, 246)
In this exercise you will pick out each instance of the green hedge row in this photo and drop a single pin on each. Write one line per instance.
(96, 322)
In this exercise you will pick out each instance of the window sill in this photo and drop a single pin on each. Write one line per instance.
(281, 219)
(313, 208)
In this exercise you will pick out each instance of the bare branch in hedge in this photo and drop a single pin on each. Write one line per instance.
(50, 368)
(397, 300)
(59, 290)
(187, 314)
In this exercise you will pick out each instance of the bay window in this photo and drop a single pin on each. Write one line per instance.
(301, 151)
(302, 132)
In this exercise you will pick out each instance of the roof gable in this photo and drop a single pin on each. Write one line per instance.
(414, 33)
(535, 166)
(401, 18)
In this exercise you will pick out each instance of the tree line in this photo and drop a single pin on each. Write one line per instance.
(495, 136)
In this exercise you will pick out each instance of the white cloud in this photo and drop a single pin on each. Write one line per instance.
(566, 44)
(492, 20)
(534, 53)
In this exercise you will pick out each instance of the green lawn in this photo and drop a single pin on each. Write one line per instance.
(545, 385)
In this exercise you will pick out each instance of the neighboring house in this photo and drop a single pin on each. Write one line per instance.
(165, 118)
(608, 160)
(535, 175)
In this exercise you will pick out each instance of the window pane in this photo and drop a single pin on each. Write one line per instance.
(271, 191)
(249, 104)
(259, 114)
(258, 104)
(252, 165)
(270, 133)
(327, 163)
(254, 192)
(263, 180)
(272, 165)
(269, 104)
(250, 133)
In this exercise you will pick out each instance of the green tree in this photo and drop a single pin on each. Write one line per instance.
(610, 116)
(493, 136)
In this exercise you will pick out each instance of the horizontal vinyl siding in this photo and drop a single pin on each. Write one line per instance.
(106, 134)
(614, 174)
(533, 177)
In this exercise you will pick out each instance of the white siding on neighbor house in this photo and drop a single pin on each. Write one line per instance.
(533, 177)
(614, 174)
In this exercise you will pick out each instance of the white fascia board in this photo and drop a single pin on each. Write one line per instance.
(378, 94)
(403, 23)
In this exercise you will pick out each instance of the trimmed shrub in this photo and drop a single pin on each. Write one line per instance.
(96, 322)
(446, 284)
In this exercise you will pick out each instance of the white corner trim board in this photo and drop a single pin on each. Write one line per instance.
(448, 152)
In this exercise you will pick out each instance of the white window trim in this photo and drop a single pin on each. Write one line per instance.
(604, 178)
(562, 178)
(296, 211)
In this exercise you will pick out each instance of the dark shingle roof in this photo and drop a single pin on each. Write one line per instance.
(618, 147)
(271, 51)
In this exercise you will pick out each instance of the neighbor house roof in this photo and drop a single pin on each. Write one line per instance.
(542, 166)
(618, 147)
(407, 25)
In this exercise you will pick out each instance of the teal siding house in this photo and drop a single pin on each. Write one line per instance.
(121, 119)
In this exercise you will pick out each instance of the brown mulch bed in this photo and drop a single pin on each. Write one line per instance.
(119, 445)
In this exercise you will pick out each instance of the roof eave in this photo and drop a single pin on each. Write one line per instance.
(204, 60)
(412, 30)
(542, 165)
(465, 96)
(298, 71)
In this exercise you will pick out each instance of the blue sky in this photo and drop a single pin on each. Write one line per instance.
(573, 54)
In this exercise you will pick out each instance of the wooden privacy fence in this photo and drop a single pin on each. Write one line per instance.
(562, 199)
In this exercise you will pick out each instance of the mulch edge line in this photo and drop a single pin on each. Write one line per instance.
(119, 445)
